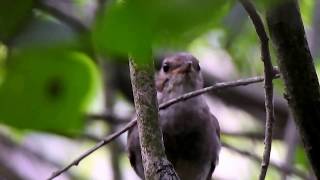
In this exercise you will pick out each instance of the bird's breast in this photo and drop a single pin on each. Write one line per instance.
(187, 132)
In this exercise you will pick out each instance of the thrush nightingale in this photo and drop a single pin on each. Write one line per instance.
(191, 134)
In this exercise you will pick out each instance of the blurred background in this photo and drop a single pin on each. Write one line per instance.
(64, 83)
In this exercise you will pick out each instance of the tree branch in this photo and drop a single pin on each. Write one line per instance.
(268, 73)
(249, 99)
(96, 147)
(299, 74)
(155, 162)
(218, 86)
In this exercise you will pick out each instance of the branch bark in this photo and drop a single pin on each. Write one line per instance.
(155, 163)
(268, 74)
(298, 71)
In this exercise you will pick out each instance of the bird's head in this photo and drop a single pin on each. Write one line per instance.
(179, 74)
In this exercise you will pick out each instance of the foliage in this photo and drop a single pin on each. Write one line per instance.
(135, 26)
(48, 89)
(60, 80)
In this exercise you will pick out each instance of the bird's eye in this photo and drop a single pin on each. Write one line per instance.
(165, 67)
(198, 67)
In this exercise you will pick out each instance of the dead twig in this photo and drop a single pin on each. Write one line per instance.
(268, 74)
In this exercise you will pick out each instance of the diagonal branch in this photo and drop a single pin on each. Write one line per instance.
(268, 73)
(218, 86)
(96, 147)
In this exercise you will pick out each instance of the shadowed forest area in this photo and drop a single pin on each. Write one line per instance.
(65, 83)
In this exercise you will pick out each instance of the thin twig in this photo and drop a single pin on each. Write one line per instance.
(268, 73)
(285, 169)
(132, 123)
(7, 141)
(96, 147)
(217, 86)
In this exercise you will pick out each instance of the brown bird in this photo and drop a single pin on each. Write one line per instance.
(191, 134)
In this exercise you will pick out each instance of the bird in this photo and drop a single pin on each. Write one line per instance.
(191, 134)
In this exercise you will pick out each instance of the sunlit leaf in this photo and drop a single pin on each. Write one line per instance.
(47, 90)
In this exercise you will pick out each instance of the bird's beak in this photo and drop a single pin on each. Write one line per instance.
(184, 68)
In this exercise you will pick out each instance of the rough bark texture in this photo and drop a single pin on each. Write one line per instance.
(298, 71)
(156, 166)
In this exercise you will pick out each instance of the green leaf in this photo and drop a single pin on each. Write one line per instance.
(13, 13)
(47, 89)
(123, 30)
(134, 26)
